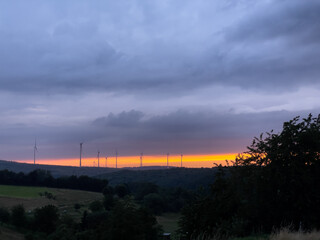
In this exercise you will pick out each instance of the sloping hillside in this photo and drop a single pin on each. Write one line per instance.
(56, 171)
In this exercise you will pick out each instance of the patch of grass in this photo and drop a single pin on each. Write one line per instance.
(263, 237)
(66, 199)
(22, 191)
(9, 234)
(169, 221)
(286, 234)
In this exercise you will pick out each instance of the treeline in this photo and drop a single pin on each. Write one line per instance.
(187, 178)
(276, 183)
(43, 178)
(157, 199)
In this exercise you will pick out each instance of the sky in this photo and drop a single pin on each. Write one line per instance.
(200, 78)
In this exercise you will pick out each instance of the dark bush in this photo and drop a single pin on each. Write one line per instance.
(4, 215)
(121, 190)
(18, 216)
(154, 202)
(46, 218)
(96, 206)
(77, 206)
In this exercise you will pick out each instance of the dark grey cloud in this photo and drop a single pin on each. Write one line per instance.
(74, 46)
(185, 125)
(131, 132)
(280, 45)
(292, 21)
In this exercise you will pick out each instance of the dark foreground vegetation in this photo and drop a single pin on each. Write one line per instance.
(275, 183)
(127, 211)
(116, 219)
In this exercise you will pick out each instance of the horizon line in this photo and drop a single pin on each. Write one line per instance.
(195, 161)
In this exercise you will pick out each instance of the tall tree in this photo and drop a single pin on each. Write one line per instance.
(275, 183)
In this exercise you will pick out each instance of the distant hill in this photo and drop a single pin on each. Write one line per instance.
(56, 171)
(190, 178)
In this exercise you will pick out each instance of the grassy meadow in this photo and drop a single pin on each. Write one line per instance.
(33, 197)
(22, 191)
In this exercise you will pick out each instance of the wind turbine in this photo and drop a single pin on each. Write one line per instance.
(35, 149)
(106, 161)
(80, 153)
(98, 158)
(141, 157)
(181, 159)
(167, 159)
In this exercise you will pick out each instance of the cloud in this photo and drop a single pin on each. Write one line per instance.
(201, 76)
(121, 120)
(130, 132)
(74, 47)
(186, 125)
(291, 21)
(275, 46)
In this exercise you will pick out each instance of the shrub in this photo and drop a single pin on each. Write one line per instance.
(4, 215)
(77, 206)
(46, 218)
(18, 216)
(96, 206)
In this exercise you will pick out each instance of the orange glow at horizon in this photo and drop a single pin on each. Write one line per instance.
(189, 161)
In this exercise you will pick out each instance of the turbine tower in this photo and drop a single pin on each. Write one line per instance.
(167, 159)
(181, 159)
(80, 153)
(35, 149)
(141, 156)
(98, 158)
(106, 161)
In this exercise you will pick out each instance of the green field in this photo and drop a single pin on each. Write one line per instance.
(22, 191)
(64, 199)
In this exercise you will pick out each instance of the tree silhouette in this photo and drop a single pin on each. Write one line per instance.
(46, 218)
(274, 183)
